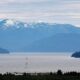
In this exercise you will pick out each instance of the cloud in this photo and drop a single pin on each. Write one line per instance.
(66, 11)
(6, 1)
(20, 1)
(2, 15)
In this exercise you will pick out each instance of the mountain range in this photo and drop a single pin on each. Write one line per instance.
(17, 36)
(3, 51)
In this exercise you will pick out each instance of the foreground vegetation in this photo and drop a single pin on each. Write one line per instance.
(41, 76)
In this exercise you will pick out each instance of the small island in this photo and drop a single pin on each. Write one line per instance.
(76, 55)
(3, 51)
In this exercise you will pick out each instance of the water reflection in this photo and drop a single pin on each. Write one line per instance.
(38, 63)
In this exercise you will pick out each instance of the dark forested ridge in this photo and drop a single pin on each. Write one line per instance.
(59, 75)
(76, 55)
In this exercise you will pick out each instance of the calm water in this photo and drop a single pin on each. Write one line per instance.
(31, 62)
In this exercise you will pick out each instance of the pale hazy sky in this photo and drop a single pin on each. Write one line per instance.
(56, 11)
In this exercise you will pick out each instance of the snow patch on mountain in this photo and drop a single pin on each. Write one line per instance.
(10, 22)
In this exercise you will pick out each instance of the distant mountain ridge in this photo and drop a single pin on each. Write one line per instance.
(17, 36)
(56, 43)
(3, 51)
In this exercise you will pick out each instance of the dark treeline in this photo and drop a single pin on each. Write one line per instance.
(59, 75)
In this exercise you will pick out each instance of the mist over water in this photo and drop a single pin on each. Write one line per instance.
(38, 62)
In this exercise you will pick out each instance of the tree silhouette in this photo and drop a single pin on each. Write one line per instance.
(59, 72)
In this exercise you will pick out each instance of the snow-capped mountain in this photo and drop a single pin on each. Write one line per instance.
(11, 23)
(17, 36)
